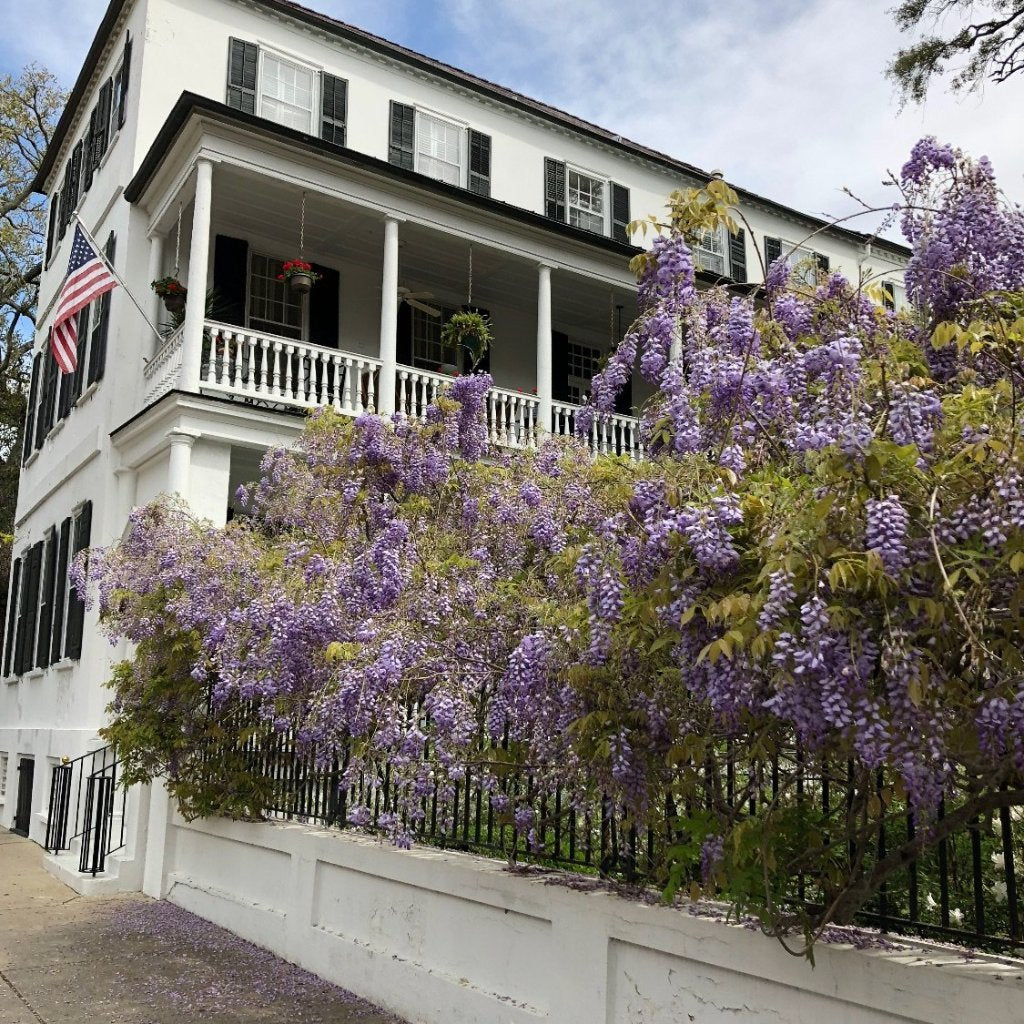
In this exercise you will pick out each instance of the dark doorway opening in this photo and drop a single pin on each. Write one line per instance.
(23, 809)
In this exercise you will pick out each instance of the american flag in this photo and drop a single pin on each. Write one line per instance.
(88, 278)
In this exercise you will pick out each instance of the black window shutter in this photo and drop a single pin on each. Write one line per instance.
(323, 308)
(624, 399)
(231, 278)
(333, 108)
(738, 256)
(101, 136)
(64, 390)
(67, 204)
(554, 189)
(46, 602)
(98, 342)
(30, 414)
(404, 351)
(29, 607)
(126, 67)
(479, 163)
(47, 398)
(87, 164)
(559, 366)
(51, 234)
(620, 213)
(83, 341)
(76, 601)
(14, 597)
(402, 138)
(76, 176)
(243, 60)
(888, 295)
(59, 592)
(823, 263)
(772, 251)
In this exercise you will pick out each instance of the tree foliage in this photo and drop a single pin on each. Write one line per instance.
(976, 42)
(29, 106)
(813, 584)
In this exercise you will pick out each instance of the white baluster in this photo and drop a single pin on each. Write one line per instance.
(211, 357)
(346, 388)
(492, 433)
(371, 386)
(251, 365)
(278, 376)
(289, 351)
(403, 392)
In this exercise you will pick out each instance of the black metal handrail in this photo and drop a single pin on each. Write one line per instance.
(83, 804)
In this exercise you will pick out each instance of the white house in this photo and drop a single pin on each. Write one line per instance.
(214, 139)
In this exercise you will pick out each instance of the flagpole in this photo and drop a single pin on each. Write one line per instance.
(103, 256)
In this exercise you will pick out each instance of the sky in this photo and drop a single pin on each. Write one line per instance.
(788, 98)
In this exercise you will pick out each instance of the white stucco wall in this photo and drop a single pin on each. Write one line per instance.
(441, 937)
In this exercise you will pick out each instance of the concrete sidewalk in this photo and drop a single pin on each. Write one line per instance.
(126, 959)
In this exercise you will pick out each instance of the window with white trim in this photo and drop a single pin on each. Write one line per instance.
(440, 148)
(3, 775)
(286, 92)
(803, 262)
(583, 364)
(587, 207)
(710, 248)
(428, 350)
(273, 306)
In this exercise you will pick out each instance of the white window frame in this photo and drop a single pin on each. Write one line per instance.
(419, 113)
(249, 317)
(711, 260)
(4, 766)
(267, 52)
(606, 200)
(794, 255)
(579, 381)
(424, 359)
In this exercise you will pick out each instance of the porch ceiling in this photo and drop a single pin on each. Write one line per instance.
(264, 210)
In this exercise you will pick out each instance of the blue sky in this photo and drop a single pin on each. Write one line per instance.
(786, 97)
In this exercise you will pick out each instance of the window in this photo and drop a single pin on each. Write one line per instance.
(428, 351)
(286, 93)
(583, 364)
(889, 295)
(273, 306)
(3, 776)
(710, 250)
(439, 148)
(804, 263)
(586, 202)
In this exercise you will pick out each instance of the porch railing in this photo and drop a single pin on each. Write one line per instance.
(85, 805)
(275, 371)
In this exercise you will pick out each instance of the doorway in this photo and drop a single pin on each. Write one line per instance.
(23, 809)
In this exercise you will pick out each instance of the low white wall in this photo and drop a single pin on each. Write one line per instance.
(440, 937)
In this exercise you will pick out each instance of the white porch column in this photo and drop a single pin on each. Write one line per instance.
(155, 272)
(198, 264)
(389, 320)
(179, 467)
(544, 390)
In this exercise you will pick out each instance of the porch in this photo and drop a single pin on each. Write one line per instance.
(368, 337)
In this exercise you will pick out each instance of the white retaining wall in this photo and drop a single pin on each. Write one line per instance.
(443, 938)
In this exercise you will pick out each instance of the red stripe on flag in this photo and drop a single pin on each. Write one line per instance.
(81, 289)
(64, 346)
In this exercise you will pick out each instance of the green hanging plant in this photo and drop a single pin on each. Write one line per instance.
(470, 331)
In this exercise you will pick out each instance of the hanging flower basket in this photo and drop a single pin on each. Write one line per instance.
(470, 331)
(299, 275)
(173, 292)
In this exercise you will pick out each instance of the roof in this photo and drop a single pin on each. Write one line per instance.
(482, 86)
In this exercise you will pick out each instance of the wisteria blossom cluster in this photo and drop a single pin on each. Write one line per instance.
(817, 573)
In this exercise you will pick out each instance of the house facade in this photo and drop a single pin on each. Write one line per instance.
(213, 140)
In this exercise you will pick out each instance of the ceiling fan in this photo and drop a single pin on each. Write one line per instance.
(414, 300)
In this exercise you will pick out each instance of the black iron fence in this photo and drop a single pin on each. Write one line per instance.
(962, 889)
(87, 806)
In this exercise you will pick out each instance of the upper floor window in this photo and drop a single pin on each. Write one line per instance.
(273, 306)
(437, 147)
(710, 250)
(292, 94)
(804, 263)
(286, 93)
(585, 200)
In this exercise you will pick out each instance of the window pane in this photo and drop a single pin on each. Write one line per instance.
(273, 306)
(586, 202)
(710, 250)
(439, 148)
(286, 93)
(428, 353)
